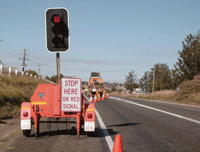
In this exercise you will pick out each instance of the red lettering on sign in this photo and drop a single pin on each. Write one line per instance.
(65, 99)
(71, 91)
(75, 99)
(71, 83)
(70, 106)
(76, 82)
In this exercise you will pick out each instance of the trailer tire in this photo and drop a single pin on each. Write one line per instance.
(26, 133)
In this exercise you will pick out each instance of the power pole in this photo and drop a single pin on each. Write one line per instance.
(39, 67)
(24, 59)
(1, 41)
(153, 78)
(58, 66)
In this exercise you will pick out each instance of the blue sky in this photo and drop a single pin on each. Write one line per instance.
(112, 37)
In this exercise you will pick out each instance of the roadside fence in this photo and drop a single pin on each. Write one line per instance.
(11, 70)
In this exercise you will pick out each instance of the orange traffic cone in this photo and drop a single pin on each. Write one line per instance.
(91, 99)
(103, 98)
(107, 95)
(118, 144)
(95, 98)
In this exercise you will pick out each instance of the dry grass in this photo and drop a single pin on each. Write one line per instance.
(13, 91)
(189, 93)
(164, 94)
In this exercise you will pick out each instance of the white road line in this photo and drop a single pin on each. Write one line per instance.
(167, 102)
(169, 113)
(106, 134)
(103, 127)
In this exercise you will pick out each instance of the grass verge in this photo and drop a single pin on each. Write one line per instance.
(189, 93)
(13, 91)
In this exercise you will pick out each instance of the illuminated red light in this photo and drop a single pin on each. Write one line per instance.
(56, 19)
(25, 114)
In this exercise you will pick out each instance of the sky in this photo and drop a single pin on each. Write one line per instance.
(112, 37)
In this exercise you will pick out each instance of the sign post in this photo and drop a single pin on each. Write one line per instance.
(71, 94)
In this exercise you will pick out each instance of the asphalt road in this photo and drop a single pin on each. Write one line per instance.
(151, 126)
(143, 125)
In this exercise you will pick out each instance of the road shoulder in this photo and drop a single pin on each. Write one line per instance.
(9, 131)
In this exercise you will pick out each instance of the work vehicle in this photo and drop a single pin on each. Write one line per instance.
(95, 85)
(57, 101)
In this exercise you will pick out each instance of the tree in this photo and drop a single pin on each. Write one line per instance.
(131, 81)
(31, 72)
(163, 77)
(47, 78)
(146, 79)
(188, 64)
(54, 78)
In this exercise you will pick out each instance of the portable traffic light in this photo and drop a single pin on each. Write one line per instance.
(57, 30)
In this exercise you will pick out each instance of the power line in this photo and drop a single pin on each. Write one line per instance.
(7, 51)
(128, 69)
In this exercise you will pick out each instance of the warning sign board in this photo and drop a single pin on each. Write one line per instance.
(71, 94)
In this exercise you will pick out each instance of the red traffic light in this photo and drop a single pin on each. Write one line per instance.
(57, 29)
(56, 18)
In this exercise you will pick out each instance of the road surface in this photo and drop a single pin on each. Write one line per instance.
(144, 126)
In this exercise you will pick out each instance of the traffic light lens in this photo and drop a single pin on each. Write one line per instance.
(57, 41)
(56, 19)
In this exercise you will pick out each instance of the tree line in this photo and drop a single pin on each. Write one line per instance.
(187, 66)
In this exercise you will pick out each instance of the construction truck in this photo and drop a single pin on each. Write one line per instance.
(57, 101)
(95, 85)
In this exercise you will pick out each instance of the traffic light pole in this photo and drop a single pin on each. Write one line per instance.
(58, 66)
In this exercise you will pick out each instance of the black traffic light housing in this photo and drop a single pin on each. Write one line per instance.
(57, 29)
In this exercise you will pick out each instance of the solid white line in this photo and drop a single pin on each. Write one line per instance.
(166, 102)
(169, 113)
(106, 134)
(103, 127)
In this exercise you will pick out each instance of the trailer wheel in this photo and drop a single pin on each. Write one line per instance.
(26, 133)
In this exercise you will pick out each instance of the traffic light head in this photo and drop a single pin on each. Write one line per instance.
(57, 30)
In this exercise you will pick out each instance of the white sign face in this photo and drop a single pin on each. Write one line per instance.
(71, 94)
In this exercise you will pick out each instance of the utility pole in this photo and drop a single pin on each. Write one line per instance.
(1, 41)
(24, 59)
(58, 66)
(153, 78)
(39, 67)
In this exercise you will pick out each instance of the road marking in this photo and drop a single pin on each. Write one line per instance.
(169, 113)
(106, 134)
(173, 103)
(103, 127)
